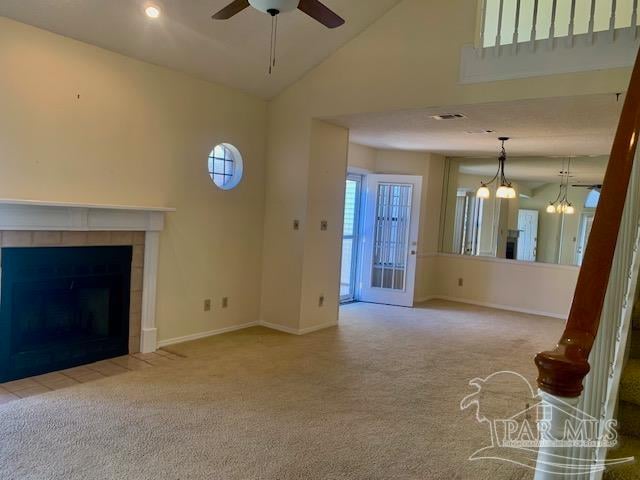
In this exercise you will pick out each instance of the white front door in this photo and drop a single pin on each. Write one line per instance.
(528, 238)
(391, 225)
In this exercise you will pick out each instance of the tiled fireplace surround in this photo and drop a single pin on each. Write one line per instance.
(42, 238)
(26, 223)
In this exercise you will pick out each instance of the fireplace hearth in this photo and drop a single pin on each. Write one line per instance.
(62, 307)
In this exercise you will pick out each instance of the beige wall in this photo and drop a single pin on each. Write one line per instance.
(321, 276)
(81, 124)
(383, 69)
(528, 287)
(362, 157)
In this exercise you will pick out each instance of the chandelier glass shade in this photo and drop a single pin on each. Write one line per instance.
(504, 188)
(561, 204)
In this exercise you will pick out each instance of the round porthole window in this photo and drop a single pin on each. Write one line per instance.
(225, 166)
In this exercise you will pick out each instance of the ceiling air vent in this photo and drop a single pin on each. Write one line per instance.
(448, 116)
(479, 132)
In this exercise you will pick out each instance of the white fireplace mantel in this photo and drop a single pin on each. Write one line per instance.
(35, 215)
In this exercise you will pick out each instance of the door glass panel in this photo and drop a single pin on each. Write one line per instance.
(391, 233)
(350, 239)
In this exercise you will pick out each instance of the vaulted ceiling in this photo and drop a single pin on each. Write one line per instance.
(234, 52)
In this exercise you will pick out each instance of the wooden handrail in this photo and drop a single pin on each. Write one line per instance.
(563, 369)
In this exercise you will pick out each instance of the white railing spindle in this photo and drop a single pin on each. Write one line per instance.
(534, 32)
(499, 32)
(572, 22)
(602, 23)
(612, 20)
(517, 27)
(483, 25)
(592, 20)
(552, 28)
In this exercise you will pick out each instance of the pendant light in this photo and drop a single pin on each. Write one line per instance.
(562, 204)
(504, 190)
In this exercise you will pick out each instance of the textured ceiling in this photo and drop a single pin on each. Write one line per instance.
(573, 126)
(233, 52)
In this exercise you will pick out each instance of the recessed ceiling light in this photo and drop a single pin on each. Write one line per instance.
(152, 11)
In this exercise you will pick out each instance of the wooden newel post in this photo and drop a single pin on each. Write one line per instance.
(561, 371)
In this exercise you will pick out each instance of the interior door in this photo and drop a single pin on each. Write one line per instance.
(390, 239)
(528, 238)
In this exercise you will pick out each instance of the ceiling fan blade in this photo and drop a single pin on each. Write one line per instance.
(321, 13)
(230, 10)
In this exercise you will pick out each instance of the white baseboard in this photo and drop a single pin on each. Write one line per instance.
(296, 331)
(304, 331)
(211, 333)
(220, 331)
(279, 328)
(497, 306)
(423, 299)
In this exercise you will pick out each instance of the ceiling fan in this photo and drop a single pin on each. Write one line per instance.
(314, 8)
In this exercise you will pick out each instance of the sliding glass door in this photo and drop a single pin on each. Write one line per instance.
(350, 238)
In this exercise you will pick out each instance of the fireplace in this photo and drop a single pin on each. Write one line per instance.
(62, 307)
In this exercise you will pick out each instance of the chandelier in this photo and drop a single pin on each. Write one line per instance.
(562, 204)
(504, 190)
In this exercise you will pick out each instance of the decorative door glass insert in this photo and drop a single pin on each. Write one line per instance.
(393, 212)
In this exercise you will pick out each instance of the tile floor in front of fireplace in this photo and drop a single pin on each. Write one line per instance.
(48, 382)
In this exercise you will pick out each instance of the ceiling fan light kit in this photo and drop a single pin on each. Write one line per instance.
(274, 7)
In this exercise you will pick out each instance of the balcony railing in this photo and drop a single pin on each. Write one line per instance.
(513, 22)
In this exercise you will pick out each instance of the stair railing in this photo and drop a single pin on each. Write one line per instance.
(562, 370)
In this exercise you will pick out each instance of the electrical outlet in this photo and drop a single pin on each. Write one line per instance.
(461, 282)
(324, 225)
(296, 224)
(207, 305)
(225, 302)
(321, 301)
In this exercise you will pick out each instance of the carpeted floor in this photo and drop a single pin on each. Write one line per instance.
(377, 398)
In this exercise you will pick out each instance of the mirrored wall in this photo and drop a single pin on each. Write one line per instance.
(548, 221)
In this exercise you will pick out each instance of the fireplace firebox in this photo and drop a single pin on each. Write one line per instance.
(62, 307)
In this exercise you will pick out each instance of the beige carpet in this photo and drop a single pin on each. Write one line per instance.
(376, 398)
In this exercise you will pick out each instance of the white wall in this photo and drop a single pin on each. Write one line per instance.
(81, 124)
